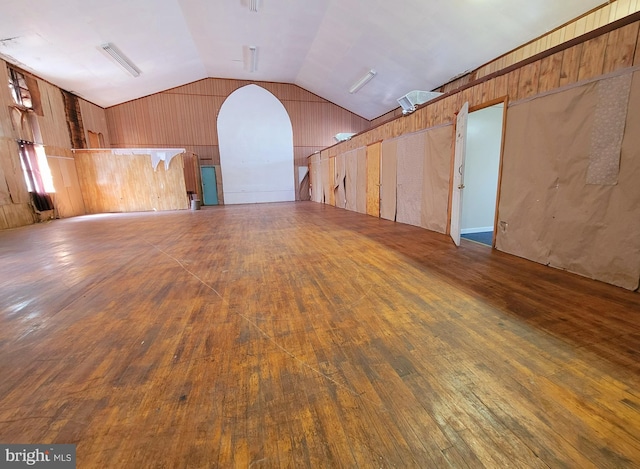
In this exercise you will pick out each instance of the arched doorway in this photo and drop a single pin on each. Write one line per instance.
(256, 148)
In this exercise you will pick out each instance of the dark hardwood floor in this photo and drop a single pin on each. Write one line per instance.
(301, 335)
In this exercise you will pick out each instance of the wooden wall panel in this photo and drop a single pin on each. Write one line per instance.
(549, 76)
(94, 119)
(53, 125)
(602, 16)
(67, 199)
(621, 46)
(192, 175)
(14, 199)
(128, 183)
(185, 117)
(592, 59)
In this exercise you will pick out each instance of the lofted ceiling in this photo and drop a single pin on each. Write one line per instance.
(324, 46)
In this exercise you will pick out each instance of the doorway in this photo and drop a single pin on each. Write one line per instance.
(481, 174)
(209, 185)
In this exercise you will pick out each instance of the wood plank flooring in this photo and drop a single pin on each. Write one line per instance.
(301, 335)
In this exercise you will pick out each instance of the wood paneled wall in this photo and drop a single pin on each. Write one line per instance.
(186, 117)
(128, 183)
(601, 55)
(597, 18)
(45, 125)
(608, 51)
(606, 14)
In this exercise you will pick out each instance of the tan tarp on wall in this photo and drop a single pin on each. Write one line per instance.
(361, 181)
(410, 151)
(547, 211)
(435, 187)
(351, 167)
(339, 181)
(388, 180)
(326, 177)
(316, 178)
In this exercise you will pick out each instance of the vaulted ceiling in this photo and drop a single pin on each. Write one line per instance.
(324, 46)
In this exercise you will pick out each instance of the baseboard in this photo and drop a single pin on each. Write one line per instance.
(480, 229)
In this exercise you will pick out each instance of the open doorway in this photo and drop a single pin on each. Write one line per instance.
(481, 174)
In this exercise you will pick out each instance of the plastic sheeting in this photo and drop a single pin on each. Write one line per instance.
(547, 211)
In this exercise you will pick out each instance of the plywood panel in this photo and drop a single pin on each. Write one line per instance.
(15, 215)
(14, 177)
(53, 126)
(94, 119)
(128, 183)
(373, 179)
(67, 199)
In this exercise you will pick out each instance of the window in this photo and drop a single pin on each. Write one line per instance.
(35, 168)
(19, 89)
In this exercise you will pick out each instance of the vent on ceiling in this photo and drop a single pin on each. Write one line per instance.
(414, 98)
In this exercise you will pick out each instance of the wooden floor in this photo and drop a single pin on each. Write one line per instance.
(301, 335)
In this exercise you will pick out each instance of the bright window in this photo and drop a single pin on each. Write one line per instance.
(19, 89)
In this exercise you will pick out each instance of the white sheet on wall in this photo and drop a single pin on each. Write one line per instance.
(256, 148)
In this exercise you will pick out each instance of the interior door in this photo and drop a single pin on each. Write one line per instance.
(209, 186)
(458, 173)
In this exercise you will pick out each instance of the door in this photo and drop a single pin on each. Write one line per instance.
(209, 187)
(458, 173)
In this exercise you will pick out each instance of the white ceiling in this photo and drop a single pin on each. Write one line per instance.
(323, 46)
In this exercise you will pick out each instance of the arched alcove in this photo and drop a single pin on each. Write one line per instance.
(256, 148)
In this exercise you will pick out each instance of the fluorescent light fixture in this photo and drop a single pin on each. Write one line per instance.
(253, 59)
(363, 81)
(253, 6)
(119, 57)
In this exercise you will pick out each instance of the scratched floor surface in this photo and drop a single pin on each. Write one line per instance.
(300, 335)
